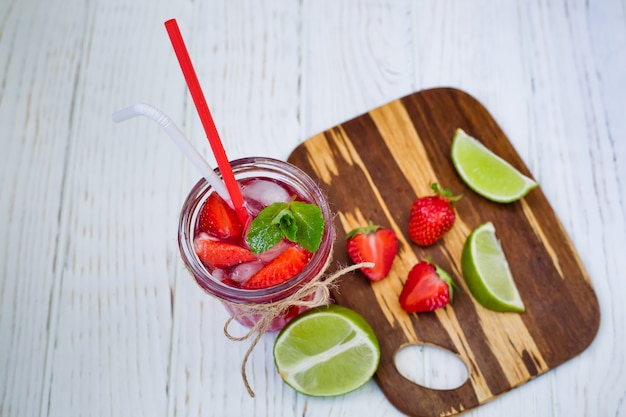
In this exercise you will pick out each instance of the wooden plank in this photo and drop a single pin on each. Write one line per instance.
(112, 315)
(372, 168)
(40, 64)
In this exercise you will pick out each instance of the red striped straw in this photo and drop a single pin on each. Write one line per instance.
(207, 120)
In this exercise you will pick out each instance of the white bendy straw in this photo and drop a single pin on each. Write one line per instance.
(141, 109)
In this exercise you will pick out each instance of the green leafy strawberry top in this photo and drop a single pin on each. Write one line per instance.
(296, 221)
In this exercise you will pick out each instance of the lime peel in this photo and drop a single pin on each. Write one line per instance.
(487, 273)
(486, 173)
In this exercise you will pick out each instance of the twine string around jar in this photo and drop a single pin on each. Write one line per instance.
(313, 294)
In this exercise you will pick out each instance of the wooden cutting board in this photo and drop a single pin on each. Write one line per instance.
(372, 168)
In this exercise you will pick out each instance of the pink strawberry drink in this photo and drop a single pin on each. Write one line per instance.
(287, 243)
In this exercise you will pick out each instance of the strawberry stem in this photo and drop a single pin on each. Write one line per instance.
(445, 192)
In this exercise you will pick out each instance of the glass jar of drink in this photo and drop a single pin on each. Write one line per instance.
(263, 181)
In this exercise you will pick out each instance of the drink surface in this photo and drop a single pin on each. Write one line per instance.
(220, 240)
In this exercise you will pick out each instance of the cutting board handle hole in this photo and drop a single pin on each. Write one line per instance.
(431, 366)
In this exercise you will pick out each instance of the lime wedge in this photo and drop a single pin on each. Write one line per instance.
(327, 351)
(486, 271)
(485, 172)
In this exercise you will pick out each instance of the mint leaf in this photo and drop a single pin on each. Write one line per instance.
(287, 224)
(265, 232)
(310, 225)
(296, 221)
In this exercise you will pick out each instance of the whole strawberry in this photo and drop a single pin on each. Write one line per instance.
(427, 288)
(432, 217)
(373, 243)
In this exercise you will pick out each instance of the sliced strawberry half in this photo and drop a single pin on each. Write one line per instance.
(427, 288)
(219, 219)
(282, 268)
(216, 254)
(373, 244)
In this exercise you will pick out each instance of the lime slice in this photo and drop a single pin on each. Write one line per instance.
(327, 351)
(487, 173)
(486, 271)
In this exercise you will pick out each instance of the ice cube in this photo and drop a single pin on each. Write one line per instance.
(241, 273)
(262, 193)
(218, 274)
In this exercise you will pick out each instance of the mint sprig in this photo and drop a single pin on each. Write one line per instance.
(296, 221)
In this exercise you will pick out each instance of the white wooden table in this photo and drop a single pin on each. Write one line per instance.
(98, 316)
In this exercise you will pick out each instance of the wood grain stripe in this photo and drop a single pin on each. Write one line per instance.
(403, 142)
(351, 219)
(534, 223)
